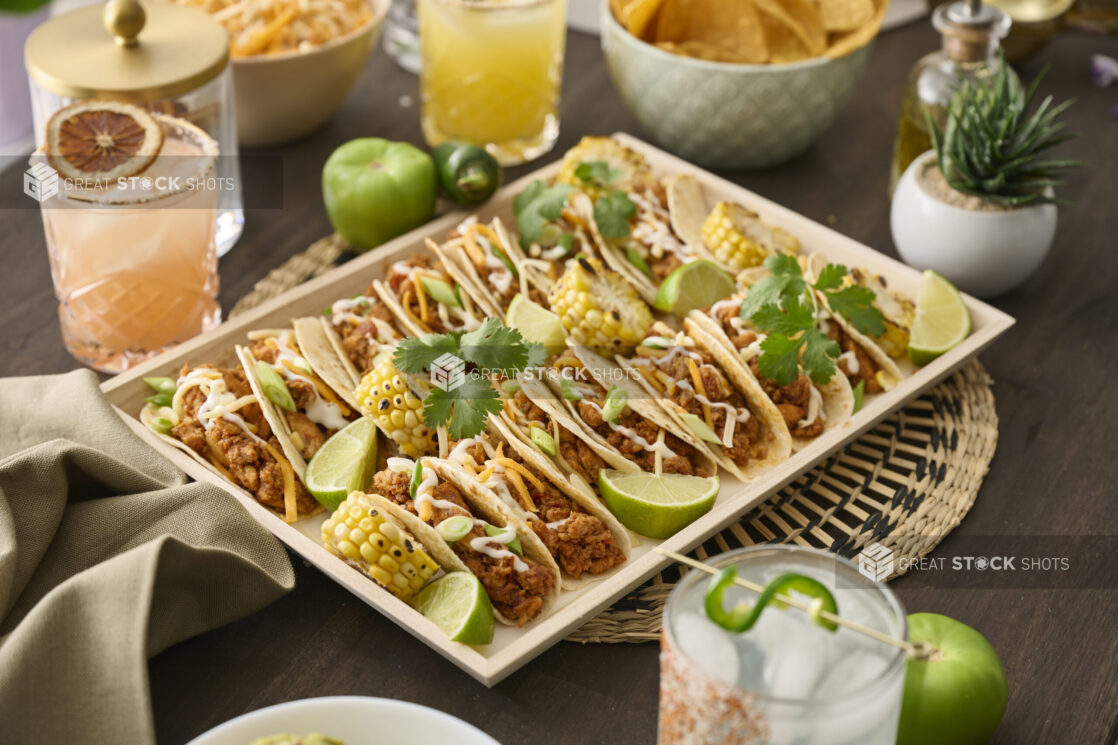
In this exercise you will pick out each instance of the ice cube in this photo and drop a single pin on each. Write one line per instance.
(708, 645)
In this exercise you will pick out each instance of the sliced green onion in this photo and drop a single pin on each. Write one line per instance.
(454, 528)
(742, 617)
(440, 291)
(160, 399)
(416, 479)
(570, 392)
(543, 440)
(510, 386)
(637, 260)
(616, 401)
(550, 235)
(504, 259)
(271, 382)
(514, 545)
(859, 395)
(162, 385)
(699, 428)
(161, 424)
(327, 311)
(566, 242)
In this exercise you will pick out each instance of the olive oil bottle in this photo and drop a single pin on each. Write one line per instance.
(971, 33)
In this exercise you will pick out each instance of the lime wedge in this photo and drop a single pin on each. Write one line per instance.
(696, 284)
(535, 324)
(458, 605)
(656, 506)
(942, 319)
(346, 462)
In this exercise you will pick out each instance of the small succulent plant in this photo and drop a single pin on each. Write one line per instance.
(991, 147)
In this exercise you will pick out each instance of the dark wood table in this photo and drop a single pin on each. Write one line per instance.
(1053, 474)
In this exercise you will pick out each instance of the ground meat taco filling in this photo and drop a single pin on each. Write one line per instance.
(575, 454)
(689, 378)
(854, 362)
(794, 401)
(241, 455)
(516, 585)
(638, 439)
(580, 542)
(480, 245)
(366, 327)
(318, 413)
(652, 237)
(404, 280)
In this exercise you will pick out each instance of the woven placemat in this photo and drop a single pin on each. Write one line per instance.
(905, 484)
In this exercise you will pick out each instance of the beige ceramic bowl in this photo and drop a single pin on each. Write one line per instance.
(281, 97)
(728, 116)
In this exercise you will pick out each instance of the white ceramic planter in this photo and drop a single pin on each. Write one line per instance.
(982, 253)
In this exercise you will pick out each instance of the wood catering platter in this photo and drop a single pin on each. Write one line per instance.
(514, 647)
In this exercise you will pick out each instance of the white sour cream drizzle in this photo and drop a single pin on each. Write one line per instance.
(218, 401)
(499, 275)
(730, 302)
(654, 447)
(733, 415)
(484, 545)
(653, 228)
(427, 484)
(753, 349)
(342, 310)
(851, 360)
(559, 523)
(814, 408)
(325, 414)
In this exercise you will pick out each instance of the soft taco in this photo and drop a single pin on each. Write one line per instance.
(462, 525)
(484, 258)
(625, 428)
(807, 409)
(581, 534)
(426, 299)
(214, 415)
(301, 409)
(713, 397)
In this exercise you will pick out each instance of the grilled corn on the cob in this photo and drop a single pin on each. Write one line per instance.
(360, 534)
(598, 307)
(739, 239)
(630, 164)
(383, 394)
(898, 312)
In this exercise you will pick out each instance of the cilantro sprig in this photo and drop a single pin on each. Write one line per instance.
(536, 207)
(614, 209)
(783, 305)
(464, 406)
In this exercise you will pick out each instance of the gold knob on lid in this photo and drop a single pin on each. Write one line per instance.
(124, 19)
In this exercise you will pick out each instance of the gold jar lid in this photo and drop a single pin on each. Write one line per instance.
(127, 50)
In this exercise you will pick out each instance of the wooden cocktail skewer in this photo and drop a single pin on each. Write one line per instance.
(914, 651)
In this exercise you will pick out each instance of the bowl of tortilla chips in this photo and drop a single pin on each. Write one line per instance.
(737, 85)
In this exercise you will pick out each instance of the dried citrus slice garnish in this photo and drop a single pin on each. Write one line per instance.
(102, 140)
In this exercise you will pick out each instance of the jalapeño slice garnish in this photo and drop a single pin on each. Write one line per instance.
(742, 616)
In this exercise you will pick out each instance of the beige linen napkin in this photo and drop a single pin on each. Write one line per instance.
(107, 556)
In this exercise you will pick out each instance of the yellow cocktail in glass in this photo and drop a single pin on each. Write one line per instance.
(491, 73)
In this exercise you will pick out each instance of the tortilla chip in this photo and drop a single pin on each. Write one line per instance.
(845, 15)
(636, 15)
(728, 30)
(785, 45)
(802, 19)
(845, 43)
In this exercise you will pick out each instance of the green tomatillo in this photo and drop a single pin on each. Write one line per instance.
(375, 190)
(958, 694)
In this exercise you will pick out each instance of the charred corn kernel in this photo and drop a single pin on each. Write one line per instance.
(364, 537)
(898, 312)
(739, 239)
(383, 394)
(630, 166)
(587, 294)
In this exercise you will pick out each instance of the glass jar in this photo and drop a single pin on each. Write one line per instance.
(136, 174)
(175, 61)
(971, 39)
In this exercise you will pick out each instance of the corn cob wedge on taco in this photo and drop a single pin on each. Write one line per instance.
(714, 399)
(579, 532)
(462, 525)
(598, 307)
(371, 541)
(214, 415)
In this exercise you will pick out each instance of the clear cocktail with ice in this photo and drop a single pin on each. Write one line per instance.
(786, 681)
